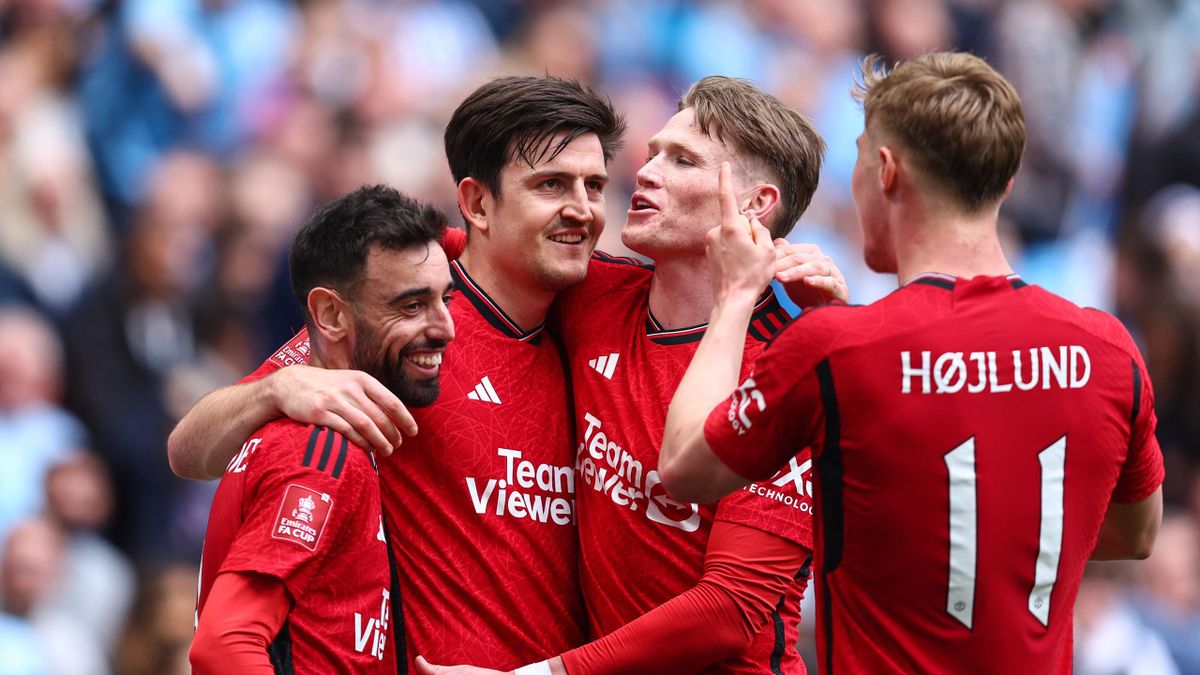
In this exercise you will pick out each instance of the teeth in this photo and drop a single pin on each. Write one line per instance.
(639, 204)
(426, 360)
(567, 238)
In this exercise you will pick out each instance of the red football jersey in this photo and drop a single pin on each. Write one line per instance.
(969, 436)
(640, 548)
(301, 504)
(481, 503)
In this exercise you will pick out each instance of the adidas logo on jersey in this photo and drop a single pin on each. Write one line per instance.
(605, 365)
(484, 391)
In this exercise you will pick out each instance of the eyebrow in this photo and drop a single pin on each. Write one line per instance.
(410, 293)
(537, 176)
(677, 146)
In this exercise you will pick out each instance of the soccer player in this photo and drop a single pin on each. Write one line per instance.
(672, 586)
(482, 502)
(295, 575)
(977, 439)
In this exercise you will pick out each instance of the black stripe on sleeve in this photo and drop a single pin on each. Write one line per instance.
(1136, 409)
(829, 478)
(280, 652)
(326, 451)
(341, 458)
(312, 444)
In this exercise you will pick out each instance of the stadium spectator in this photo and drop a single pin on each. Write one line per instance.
(35, 432)
(98, 582)
(31, 571)
(858, 384)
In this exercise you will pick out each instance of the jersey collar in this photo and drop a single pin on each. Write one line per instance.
(764, 310)
(489, 309)
(947, 281)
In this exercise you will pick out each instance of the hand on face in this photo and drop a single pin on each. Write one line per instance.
(810, 277)
(741, 256)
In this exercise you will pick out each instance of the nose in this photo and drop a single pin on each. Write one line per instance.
(648, 175)
(441, 324)
(577, 206)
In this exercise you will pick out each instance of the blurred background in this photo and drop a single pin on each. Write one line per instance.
(157, 156)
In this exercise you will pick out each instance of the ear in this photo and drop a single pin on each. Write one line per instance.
(475, 201)
(889, 169)
(1008, 188)
(763, 199)
(330, 314)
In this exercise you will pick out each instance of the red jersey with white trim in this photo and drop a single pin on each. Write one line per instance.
(969, 436)
(481, 503)
(639, 547)
(301, 504)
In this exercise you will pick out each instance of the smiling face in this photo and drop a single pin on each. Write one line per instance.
(401, 321)
(675, 203)
(544, 223)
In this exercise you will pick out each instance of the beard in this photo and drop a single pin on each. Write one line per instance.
(371, 357)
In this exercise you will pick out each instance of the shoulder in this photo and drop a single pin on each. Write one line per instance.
(822, 328)
(285, 446)
(1096, 323)
(607, 271)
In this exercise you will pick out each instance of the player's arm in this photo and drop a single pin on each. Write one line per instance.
(741, 260)
(350, 402)
(1129, 530)
(243, 615)
(746, 572)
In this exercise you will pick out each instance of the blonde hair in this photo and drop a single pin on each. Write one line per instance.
(959, 119)
(771, 135)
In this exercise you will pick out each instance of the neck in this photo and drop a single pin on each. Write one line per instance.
(523, 304)
(681, 292)
(962, 245)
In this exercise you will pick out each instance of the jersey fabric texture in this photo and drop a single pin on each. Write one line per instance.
(301, 504)
(640, 548)
(969, 436)
(481, 501)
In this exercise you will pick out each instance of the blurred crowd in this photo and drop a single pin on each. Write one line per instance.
(157, 156)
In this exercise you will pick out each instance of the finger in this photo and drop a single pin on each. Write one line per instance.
(762, 236)
(424, 667)
(367, 428)
(801, 271)
(390, 404)
(830, 286)
(729, 207)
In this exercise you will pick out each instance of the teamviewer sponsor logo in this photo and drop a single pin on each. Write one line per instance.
(544, 493)
(605, 365)
(606, 467)
(484, 391)
(372, 634)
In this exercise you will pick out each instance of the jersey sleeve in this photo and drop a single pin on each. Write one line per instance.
(305, 493)
(290, 353)
(781, 505)
(777, 409)
(1143, 471)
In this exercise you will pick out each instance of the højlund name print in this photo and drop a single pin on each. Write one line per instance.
(1062, 367)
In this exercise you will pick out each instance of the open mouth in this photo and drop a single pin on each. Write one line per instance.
(427, 363)
(566, 238)
(640, 203)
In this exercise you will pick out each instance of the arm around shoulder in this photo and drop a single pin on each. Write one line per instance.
(210, 434)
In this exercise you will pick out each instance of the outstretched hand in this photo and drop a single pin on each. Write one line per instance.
(809, 276)
(426, 668)
(350, 402)
(741, 256)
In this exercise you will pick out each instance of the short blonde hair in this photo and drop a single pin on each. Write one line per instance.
(769, 133)
(959, 118)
